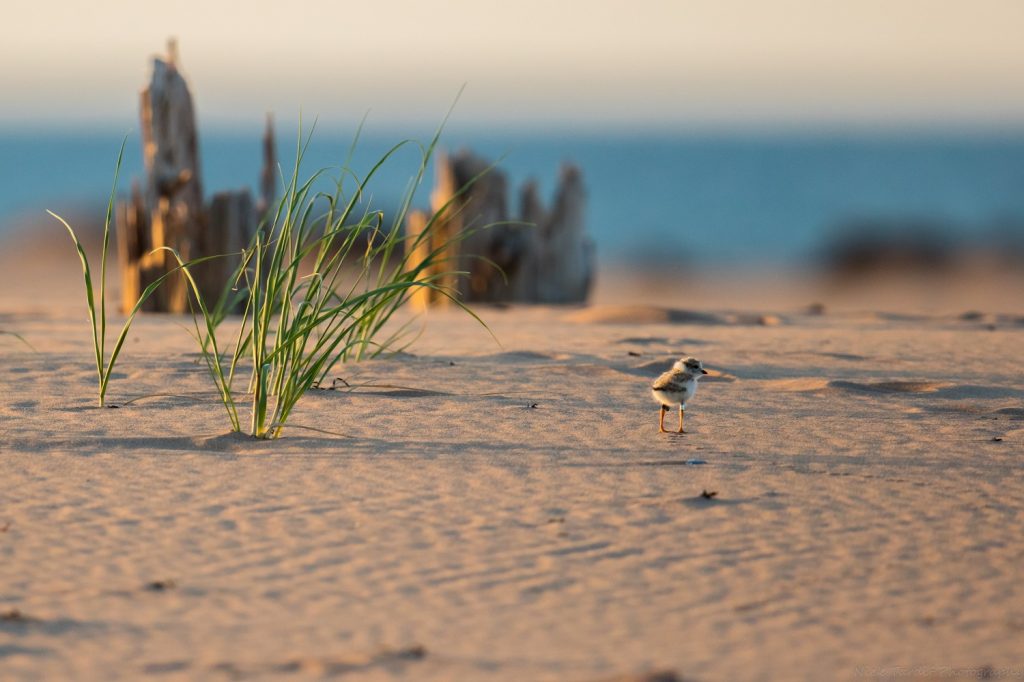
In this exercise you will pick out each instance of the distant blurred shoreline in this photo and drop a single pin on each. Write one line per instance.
(979, 289)
(689, 200)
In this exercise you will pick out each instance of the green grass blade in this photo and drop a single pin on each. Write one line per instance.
(90, 303)
(19, 337)
(106, 245)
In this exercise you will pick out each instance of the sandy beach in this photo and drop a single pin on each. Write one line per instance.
(510, 512)
(820, 204)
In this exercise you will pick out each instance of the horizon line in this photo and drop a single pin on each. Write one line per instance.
(241, 126)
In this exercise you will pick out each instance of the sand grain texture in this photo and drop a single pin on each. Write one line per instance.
(511, 513)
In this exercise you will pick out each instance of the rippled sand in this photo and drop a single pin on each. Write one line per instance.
(512, 513)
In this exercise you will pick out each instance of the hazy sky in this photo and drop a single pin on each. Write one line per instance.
(627, 63)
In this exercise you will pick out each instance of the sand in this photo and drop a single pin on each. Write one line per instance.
(510, 512)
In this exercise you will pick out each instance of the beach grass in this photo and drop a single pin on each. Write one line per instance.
(95, 293)
(323, 277)
(319, 283)
(19, 337)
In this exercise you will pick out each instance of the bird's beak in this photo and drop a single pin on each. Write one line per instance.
(703, 371)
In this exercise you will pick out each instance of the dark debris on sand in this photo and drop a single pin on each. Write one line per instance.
(14, 616)
(161, 585)
(652, 676)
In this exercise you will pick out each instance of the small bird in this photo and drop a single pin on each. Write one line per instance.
(676, 386)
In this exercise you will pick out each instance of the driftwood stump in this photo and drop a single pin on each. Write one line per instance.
(168, 209)
(541, 257)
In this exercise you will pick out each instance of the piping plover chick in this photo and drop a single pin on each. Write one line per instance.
(676, 386)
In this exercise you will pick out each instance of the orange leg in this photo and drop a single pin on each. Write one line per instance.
(681, 420)
(661, 422)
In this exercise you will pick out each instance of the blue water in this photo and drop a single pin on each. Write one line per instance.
(723, 199)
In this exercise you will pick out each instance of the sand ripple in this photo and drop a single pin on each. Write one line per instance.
(513, 514)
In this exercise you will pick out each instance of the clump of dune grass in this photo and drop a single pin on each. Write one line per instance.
(323, 277)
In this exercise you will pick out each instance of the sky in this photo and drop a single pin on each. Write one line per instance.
(562, 64)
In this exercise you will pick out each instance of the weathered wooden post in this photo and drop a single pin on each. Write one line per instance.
(169, 211)
(543, 257)
(420, 243)
(566, 267)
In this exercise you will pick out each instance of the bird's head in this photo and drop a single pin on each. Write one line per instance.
(691, 366)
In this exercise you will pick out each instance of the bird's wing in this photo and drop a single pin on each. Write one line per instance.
(671, 381)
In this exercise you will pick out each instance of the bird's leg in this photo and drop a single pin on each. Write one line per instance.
(661, 422)
(681, 419)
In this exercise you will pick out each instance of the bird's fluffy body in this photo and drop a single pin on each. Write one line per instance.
(679, 384)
